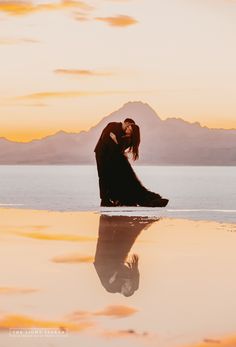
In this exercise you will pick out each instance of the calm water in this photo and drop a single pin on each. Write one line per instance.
(57, 269)
(195, 192)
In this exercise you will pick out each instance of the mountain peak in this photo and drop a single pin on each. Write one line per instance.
(135, 103)
(164, 142)
(138, 111)
(139, 108)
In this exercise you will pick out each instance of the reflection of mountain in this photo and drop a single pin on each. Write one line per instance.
(172, 141)
(116, 268)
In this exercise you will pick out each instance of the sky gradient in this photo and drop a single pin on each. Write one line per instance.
(67, 64)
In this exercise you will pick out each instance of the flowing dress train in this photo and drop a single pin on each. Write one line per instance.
(125, 188)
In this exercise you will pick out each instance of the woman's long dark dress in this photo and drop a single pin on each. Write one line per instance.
(124, 186)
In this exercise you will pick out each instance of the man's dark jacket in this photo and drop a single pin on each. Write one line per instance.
(105, 149)
(106, 145)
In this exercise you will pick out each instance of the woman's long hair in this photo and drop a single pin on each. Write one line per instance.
(135, 141)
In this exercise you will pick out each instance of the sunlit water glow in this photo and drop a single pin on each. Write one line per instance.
(58, 266)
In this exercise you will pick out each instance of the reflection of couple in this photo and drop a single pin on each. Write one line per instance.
(117, 270)
(118, 183)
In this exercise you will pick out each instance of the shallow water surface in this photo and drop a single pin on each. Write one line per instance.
(207, 193)
(116, 280)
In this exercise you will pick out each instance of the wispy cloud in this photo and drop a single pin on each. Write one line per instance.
(114, 334)
(74, 94)
(20, 321)
(118, 21)
(56, 237)
(35, 104)
(73, 259)
(13, 103)
(15, 290)
(19, 8)
(16, 7)
(15, 41)
(78, 72)
(81, 16)
(53, 95)
(115, 311)
(216, 342)
(119, 0)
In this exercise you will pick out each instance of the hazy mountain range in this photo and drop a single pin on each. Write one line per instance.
(164, 142)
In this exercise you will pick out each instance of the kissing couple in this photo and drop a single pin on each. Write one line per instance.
(118, 183)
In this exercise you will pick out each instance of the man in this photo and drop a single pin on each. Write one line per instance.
(103, 151)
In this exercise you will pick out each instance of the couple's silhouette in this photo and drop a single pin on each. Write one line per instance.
(118, 183)
(116, 268)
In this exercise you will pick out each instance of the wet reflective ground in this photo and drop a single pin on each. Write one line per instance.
(103, 280)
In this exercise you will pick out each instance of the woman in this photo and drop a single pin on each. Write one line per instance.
(116, 267)
(125, 187)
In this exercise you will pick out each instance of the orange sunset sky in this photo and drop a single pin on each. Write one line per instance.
(67, 64)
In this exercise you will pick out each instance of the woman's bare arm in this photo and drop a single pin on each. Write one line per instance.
(113, 136)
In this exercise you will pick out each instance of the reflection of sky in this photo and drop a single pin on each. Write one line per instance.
(46, 1)
(187, 281)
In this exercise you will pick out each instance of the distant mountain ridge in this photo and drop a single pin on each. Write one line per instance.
(163, 142)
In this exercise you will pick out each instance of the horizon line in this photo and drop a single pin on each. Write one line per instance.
(93, 126)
